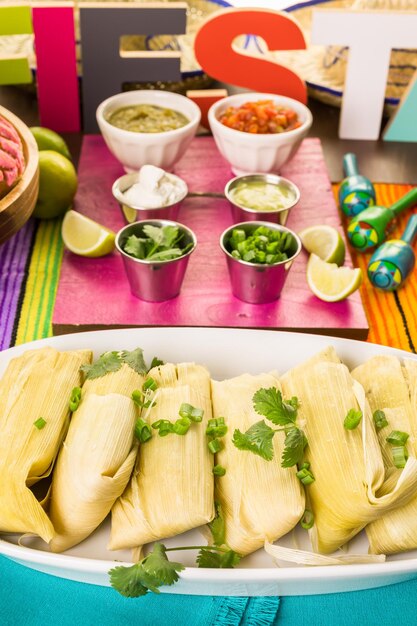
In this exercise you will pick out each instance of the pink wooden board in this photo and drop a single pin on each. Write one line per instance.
(94, 293)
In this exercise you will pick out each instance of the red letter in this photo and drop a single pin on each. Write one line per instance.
(214, 52)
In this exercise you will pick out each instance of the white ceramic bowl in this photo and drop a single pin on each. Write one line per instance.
(136, 149)
(247, 152)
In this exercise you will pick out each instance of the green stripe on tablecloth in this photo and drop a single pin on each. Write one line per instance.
(38, 302)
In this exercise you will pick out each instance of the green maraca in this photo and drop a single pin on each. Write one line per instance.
(368, 229)
(356, 192)
(394, 261)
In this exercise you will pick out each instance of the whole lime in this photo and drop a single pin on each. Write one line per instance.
(57, 185)
(48, 139)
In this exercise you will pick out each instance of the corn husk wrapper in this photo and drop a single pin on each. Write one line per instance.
(259, 499)
(347, 464)
(171, 490)
(36, 384)
(97, 457)
(392, 388)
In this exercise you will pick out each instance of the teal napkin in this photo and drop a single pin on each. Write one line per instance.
(30, 598)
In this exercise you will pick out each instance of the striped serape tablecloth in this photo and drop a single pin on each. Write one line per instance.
(29, 274)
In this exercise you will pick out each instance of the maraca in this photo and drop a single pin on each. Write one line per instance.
(356, 192)
(367, 229)
(394, 260)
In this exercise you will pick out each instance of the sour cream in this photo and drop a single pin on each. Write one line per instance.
(155, 188)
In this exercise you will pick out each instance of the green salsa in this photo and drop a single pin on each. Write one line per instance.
(147, 118)
(262, 196)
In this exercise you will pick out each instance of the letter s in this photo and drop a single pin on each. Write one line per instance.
(214, 52)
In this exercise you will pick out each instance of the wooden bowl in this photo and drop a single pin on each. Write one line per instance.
(17, 206)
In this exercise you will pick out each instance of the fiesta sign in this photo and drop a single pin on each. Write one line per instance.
(105, 67)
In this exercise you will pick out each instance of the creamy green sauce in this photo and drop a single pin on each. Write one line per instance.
(147, 118)
(261, 196)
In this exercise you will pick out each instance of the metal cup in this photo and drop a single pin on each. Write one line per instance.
(134, 213)
(258, 283)
(242, 213)
(155, 281)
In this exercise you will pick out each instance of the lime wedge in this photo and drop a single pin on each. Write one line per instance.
(324, 241)
(86, 237)
(329, 282)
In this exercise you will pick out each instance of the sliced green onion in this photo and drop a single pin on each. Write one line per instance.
(215, 446)
(307, 521)
(182, 426)
(40, 423)
(142, 431)
(305, 476)
(380, 420)
(190, 411)
(400, 456)
(219, 470)
(137, 397)
(397, 438)
(75, 399)
(352, 419)
(150, 383)
(305, 465)
(216, 427)
(164, 427)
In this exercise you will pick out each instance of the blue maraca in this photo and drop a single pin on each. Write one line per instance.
(356, 192)
(392, 262)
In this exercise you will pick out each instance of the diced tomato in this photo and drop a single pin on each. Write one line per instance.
(262, 116)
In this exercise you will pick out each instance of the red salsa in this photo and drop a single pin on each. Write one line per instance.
(261, 117)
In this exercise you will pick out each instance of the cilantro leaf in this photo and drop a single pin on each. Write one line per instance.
(166, 255)
(157, 244)
(160, 568)
(108, 362)
(135, 246)
(295, 442)
(156, 363)
(155, 233)
(208, 558)
(170, 235)
(128, 580)
(216, 559)
(135, 360)
(217, 526)
(269, 403)
(257, 439)
(148, 574)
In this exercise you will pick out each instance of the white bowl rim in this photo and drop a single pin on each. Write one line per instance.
(166, 133)
(252, 96)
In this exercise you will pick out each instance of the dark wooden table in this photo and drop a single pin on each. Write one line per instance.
(380, 161)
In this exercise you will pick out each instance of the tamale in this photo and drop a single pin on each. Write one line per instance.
(97, 457)
(171, 490)
(93, 467)
(34, 417)
(260, 500)
(347, 464)
(392, 388)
